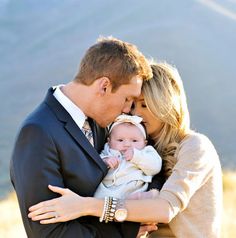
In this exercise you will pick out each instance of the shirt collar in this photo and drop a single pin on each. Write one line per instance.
(75, 112)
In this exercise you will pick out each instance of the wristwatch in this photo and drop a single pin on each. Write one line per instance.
(121, 212)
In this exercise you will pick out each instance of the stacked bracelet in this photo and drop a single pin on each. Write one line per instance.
(101, 219)
(109, 209)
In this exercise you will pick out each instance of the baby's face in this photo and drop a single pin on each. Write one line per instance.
(125, 136)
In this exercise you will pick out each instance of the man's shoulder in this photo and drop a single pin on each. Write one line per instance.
(41, 117)
(39, 114)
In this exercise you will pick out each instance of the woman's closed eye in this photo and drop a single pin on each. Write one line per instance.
(143, 105)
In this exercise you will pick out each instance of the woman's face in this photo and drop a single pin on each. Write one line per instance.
(153, 124)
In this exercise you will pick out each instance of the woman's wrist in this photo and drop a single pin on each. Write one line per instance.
(94, 206)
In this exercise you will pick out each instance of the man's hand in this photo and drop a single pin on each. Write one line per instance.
(145, 228)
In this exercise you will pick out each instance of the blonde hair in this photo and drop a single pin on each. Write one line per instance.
(165, 98)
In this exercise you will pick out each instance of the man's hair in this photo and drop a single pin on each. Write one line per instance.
(115, 59)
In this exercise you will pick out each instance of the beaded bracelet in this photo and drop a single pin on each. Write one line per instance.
(109, 209)
(110, 213)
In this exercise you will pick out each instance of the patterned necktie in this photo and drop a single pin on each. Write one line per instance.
(88, 132)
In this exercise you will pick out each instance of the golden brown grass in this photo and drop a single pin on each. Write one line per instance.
(11, 224)
(10, 220)
(229, 221)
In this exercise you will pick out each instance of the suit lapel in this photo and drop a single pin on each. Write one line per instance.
(74, 130)
(80, 138)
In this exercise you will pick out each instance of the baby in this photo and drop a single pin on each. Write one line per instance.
(132, 163)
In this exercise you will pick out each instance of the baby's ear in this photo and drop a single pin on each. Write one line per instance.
(146, 142)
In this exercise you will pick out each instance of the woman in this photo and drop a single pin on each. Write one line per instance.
(190, 200)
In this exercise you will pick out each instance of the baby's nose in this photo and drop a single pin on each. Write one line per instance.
(127, 143)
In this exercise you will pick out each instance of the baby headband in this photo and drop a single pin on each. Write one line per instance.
(135, 120)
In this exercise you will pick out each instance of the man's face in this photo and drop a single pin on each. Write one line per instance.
(118, 102)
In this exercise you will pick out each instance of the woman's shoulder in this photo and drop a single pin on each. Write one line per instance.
(197, 151)
(195, 141)
(195, 138)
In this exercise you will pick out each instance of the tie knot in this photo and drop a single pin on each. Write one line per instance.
(88, 132)
(86, 125)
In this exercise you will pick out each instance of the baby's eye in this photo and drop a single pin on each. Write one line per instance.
(135, 140)
(120, 140)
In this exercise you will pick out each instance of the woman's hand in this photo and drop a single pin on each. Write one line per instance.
(67, 207)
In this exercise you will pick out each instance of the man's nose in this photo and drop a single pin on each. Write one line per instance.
(127, 107)
(134, 111)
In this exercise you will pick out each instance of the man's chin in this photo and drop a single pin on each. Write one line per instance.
(102, 124)
(106, 123)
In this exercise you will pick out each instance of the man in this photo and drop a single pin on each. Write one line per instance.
(51, 147)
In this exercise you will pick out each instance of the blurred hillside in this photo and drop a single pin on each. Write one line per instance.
(41, 44)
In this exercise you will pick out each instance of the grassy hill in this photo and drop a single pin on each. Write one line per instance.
(11, 224)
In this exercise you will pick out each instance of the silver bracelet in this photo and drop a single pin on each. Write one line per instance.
(101, 219)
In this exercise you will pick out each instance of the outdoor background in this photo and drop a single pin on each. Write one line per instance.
(42, 42)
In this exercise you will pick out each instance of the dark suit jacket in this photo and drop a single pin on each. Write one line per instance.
(51, 149)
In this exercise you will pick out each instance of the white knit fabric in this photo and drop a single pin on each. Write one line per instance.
(130, 176)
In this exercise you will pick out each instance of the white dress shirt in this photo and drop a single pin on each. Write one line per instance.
(75, 112)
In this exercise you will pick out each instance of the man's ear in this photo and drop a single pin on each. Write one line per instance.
(104, 85)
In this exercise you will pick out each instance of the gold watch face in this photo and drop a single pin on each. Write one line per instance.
(120, 214)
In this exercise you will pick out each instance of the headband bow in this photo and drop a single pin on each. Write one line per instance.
(135, 120)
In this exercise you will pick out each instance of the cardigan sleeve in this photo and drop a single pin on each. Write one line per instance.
(148, 160)
(195, 161)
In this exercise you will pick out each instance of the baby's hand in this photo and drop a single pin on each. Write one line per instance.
(111, 162)
(128, 154)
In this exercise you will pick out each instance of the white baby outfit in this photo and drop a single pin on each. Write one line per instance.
(130, 176)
